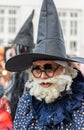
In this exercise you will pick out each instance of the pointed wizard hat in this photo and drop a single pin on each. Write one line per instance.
(25, 35)
(50, 42)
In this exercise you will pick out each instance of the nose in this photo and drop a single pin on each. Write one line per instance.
(43, 75)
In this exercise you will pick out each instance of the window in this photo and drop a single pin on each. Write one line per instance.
(12, 11)
(2, 11)
(74, 14)
(1, 24)
(63, 24)
(12, 25)
(9, 20)
(12, 20)
(74, 22)
(73, 27)
(1, 41)
(62, 14)
(73, 46)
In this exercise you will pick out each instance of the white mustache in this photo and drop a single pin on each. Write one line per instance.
(58, 85)
(53, 80)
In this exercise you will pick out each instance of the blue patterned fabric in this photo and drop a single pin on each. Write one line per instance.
(66, 113)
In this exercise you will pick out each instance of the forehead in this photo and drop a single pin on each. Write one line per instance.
(42, 62)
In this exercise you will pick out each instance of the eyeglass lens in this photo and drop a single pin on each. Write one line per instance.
(48, 69)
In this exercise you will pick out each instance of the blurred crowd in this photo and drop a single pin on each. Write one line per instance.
(11, 88)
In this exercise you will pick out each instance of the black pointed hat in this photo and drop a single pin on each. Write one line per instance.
(50, 42)
(25, 35)
(50, 37)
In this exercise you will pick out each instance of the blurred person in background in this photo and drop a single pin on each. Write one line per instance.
(23, 43)
(10, 52)
(5, 112)
(5, 77)
(54, 99)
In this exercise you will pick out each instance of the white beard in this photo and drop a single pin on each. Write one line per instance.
(50, 94)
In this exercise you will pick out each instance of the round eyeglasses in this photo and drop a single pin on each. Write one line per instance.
(48, 69)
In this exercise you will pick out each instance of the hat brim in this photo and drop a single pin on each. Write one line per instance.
(24, 61)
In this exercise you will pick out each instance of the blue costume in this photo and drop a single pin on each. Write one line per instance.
(66, 113)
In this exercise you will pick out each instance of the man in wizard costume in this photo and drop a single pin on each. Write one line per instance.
(54, 99)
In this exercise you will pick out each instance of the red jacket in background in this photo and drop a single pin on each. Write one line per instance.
(5, 115)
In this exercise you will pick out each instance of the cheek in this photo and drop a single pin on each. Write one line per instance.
(59, 71)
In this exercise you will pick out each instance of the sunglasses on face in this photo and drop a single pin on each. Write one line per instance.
(49, 70)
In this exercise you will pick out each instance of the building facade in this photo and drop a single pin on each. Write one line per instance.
(71, 13)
